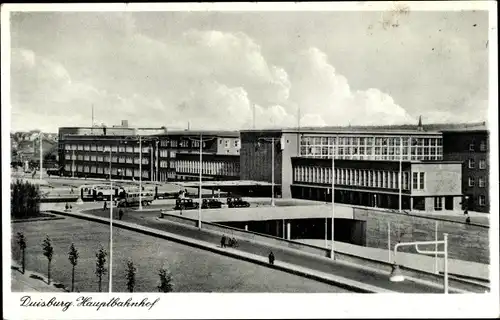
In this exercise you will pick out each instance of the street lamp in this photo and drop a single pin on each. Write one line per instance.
(110, 226)
(201, 141)
(40, 137)
(272, 141)
(332, 252)
(397, 276)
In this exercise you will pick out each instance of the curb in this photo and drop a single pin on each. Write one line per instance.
(340, 282)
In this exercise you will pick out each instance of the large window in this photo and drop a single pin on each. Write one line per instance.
(472, 163)
(482, 200)
(482, 164)
(481, 182)
(422, 180)
(471, 182)
(418, 181)
(482, 146)
(438, 203)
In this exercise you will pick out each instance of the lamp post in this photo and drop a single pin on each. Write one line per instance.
(400, 174)
(140, 173)
(396, 275)
(110, 226)
(40, 137)
(201, 141)
(272, 141)
(73, 164)
(332, 252)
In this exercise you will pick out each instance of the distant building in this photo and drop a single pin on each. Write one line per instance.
(366, 166)
(470, 146)
(166, 156)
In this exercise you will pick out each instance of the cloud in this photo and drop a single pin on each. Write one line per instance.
(212, 79)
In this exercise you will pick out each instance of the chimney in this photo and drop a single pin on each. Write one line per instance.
(125, 123)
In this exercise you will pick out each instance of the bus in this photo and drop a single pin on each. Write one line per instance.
(130, 199)
(98, 192)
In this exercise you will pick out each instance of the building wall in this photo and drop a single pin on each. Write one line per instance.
(256, 156)
(290, 148)
(216, 167)
(464, 147)
(440, 179)
(466, 242)
(228, 145)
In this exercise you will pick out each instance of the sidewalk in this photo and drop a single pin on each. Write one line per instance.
(415, 261)
(24, 283)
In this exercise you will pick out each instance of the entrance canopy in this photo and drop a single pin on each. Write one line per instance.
(222, 184)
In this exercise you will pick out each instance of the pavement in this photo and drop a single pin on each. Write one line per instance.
(24, 283)
(315, 265)
(414, 261)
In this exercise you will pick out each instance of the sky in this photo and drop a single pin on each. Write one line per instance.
(225, 70)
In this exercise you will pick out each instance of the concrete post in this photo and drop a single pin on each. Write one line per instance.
(288, 231)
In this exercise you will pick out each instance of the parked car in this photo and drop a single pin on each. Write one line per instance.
(237, 203)
(185, 204)
(211, 204)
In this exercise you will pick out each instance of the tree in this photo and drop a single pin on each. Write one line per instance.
(24, 200)
(21, 241)
(100, 265)
(131, 270)
(48, 251)
(73, 259)
(165, 281)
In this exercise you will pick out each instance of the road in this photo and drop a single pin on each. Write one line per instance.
(148, 218)
(192, 269)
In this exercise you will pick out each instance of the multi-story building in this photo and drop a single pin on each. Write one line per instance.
(367, 166)
(179, 155)
(90, 152)
(470, 146)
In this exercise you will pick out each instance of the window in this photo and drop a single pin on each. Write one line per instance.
(482, 146)
(415, 180)
(481, 183)
(422, 180)
(438, 203)
(472, 163)
(237, 143)
(471, 146)
(226, 143)
(471, 182)
(482, 164)
(482, 200)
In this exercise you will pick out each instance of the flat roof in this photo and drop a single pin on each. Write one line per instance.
(233, 183)
(218, 133)
(345, 130)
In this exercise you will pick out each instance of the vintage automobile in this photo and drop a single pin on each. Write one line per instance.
(211, 204)
(237, 203)
(185, 204)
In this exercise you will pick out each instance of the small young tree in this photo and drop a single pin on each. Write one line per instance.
(48, 251)
(73, 259)
(21, 241)
(165, 281)
(131, 270)
(100, 265)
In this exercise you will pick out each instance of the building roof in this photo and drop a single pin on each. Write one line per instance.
(232, 134)
(434, 128)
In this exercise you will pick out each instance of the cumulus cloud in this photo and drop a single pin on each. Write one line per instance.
(212, 79)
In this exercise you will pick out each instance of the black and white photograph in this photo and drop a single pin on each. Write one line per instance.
(249, 148)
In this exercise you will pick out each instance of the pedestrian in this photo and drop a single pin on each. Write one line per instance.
(271, 258)
(467, 220)
(66, 207)
(223, 241)
(120, 214)
(105, 205)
